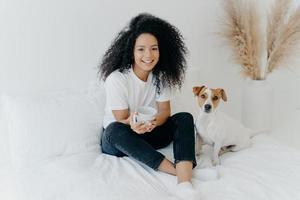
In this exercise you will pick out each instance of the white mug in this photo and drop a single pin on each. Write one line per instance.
(145, 114)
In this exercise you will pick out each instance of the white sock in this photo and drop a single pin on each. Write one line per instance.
(186, 191)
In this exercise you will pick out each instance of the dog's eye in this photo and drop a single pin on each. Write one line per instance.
(203, 96)
(215, 98)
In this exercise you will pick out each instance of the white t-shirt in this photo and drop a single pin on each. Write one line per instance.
(127, 91)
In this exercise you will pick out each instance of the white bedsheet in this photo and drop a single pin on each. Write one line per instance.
(266, 171)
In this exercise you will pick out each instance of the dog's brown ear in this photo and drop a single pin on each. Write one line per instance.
(223, 94)
(197, 89)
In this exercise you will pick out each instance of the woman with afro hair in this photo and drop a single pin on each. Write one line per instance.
(143, 64)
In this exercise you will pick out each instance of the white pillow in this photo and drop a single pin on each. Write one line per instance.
(44, 126)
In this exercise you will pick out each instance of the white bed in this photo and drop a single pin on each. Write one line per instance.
(44, 168)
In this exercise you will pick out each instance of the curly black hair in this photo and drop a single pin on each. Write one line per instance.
(171, 67)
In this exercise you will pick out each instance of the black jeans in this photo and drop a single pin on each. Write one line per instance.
(119, 139)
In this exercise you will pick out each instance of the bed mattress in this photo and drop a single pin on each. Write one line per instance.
(267, 170)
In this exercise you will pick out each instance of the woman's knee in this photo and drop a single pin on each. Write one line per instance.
(184, 117)
(115, 126)
(115, 130)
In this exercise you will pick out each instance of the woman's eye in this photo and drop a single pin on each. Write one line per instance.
(140, 49)
(215, 98)
(155, 49)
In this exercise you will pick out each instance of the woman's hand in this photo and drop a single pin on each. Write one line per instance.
(141, 127)
(152, 124)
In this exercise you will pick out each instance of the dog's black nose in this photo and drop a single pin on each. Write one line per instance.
(207, 107)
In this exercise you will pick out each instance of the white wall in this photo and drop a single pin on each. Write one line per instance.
(55, 44)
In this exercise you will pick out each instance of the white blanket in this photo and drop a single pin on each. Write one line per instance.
(266, 171)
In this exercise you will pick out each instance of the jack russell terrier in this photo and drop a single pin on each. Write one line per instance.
(216, 128)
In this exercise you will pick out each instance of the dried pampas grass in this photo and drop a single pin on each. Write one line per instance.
(241, 30)
(276, 18)
(286, 43)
